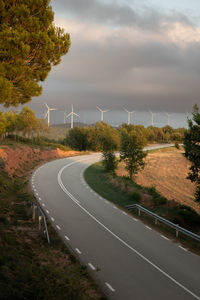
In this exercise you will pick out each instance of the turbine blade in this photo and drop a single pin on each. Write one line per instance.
(76, 114)
(46, 105)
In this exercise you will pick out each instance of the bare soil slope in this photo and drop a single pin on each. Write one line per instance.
(167, 171)
(18, 158)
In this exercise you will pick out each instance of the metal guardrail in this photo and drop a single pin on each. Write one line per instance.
(41, 216)
(163, 220)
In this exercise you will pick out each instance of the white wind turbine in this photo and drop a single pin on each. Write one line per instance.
(129, 115)
(152, 117)
(48, 113)
(65, 116)
(168, 119)
(102, 112)
(72, 114)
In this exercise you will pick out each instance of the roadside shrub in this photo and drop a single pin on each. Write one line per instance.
(135, 196)
(177, 145)
(189, 215)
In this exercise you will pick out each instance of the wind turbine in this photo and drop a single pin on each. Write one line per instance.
(129, 115)
(102, 111)
(48, 113)
(152, 117)
(72, 114)
(65, 116)
(168, 119)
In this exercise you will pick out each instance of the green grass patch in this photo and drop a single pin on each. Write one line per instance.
(99, 180)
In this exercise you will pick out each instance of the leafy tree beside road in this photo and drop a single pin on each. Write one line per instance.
(131, 151)
(192, 150)
(30, 45)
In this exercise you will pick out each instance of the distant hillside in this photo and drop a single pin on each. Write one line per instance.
(59, 131)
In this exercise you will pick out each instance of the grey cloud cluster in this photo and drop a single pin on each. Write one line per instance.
(113, 13)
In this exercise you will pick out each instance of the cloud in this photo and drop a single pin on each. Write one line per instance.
(118, 14)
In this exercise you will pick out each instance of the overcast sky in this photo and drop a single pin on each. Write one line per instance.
(138, 54)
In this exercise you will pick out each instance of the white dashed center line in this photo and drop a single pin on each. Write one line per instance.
(47, 211)
(52, 219)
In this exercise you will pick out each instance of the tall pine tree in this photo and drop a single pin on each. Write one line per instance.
(30, 45)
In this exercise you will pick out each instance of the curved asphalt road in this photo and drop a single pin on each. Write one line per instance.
(128, 259)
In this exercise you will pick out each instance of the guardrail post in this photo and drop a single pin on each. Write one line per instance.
(156, 221)
(34, 212)
(177, 231)
(139, 212)
(40, 220)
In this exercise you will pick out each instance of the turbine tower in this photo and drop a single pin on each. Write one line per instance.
(65, 116)
(129, 115)
(72, 114)
(152, 117)
(102, 112)
(168, 119)
(48, 113)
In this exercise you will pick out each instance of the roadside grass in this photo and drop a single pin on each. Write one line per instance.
(29, 267)
(122, 191)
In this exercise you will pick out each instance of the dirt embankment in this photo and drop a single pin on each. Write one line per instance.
(16, 159)
(167, 171)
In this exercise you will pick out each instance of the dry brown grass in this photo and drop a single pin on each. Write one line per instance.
(167, 171)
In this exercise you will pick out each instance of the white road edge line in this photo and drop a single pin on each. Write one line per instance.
(110, 287)
(66, 237)
(148, 227)
(58, 227)
(52, 219)
(183, 248)
(116, 236)
(91, 266)
(164, 237)
(47, 211)
(124, 213)
(78, 251)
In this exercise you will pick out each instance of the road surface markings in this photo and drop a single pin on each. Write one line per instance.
(43, 204)
(106, 202)
(66, 237)
(78, 251)
(91, 266)
(100, 197)
(148, 227)
(115, 207)
(124, 213)
(33, 186)
(40, 199)
(58, 227)
(164, 237)
(47, 211)
(52, 219)
(183, 248)
(36, 194)
(115, 235)
(110, 287)
(136, 220)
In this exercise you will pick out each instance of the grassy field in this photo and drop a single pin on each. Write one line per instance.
(29, 267)
(166, 170)
(122, 191)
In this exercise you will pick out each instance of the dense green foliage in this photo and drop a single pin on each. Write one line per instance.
(29, 45)
(24, 123)
(192, 150)
(88, 138)
(131, 151)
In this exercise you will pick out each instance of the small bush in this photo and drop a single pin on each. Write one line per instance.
(135, 196)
